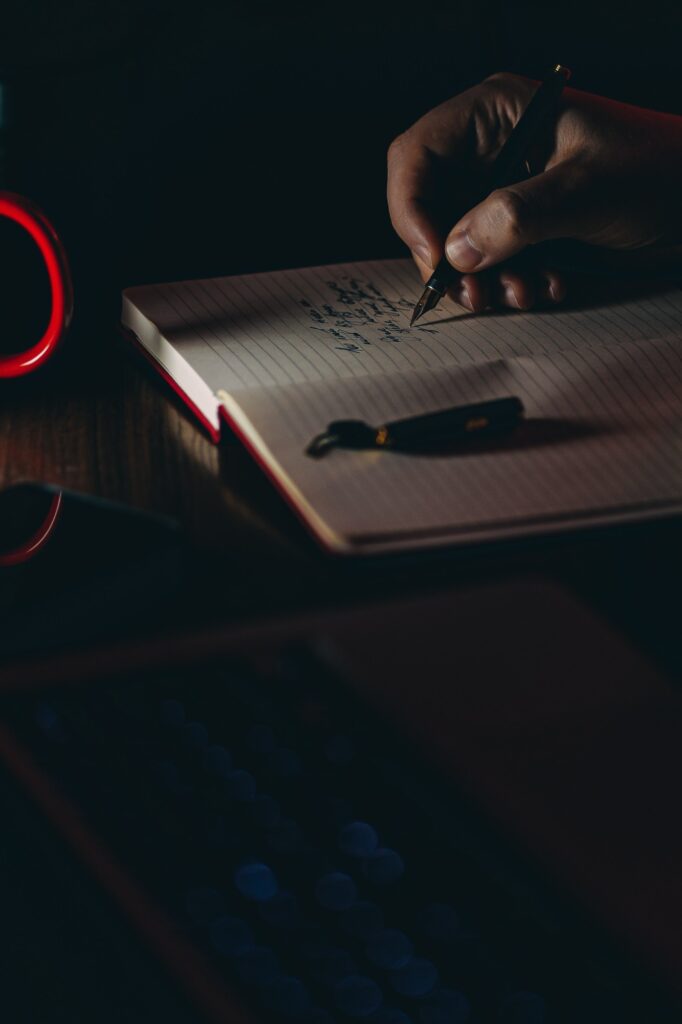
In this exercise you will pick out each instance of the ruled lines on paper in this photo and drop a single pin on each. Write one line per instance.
(352, 320)
(296, 349)
(602, 435)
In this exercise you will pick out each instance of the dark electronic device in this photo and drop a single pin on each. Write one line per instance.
(75, 569)
(373, 815)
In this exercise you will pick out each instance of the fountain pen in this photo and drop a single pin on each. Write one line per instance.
(464, 423)
(505, 170)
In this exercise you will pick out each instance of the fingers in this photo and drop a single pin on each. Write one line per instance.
(425, 269)
(435, 167)
(555, 286)
(540, 287)
(505, 288)
(410, 191)
(513, 218)
(473, 291)
(432, 168)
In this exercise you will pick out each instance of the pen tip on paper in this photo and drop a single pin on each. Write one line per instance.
(429, 299)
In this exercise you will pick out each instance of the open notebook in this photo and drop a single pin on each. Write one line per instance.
(280, 355)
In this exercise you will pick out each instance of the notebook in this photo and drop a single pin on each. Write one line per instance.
(278, 356)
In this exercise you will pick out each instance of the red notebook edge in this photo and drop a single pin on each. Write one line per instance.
(213, 432)
(215, 435)
(277, 484)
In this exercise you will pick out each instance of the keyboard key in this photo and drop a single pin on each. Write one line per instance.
(256, 882)
(357, 996)
(358, 839)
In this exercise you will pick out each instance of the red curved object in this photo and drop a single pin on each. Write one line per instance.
(30, 218)
(38, 540)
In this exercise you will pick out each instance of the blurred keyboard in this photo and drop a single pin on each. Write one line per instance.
(321, 869)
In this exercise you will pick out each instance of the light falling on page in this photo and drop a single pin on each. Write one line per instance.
(602, 437)
(293, 350)
(352, 320)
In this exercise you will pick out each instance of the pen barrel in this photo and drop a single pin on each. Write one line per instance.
(442, 277)
(509, 161)
(464, 423)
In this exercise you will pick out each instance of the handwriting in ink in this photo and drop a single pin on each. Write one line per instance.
(362, 305)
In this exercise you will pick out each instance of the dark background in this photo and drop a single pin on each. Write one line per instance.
(175, 140)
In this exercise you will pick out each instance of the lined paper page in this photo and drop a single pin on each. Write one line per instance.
(352, 320)
(602, 439)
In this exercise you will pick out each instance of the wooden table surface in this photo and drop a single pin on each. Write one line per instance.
(101, 422)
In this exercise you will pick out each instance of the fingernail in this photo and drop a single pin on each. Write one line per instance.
(510, 297)
(423, 254)
(461, 253)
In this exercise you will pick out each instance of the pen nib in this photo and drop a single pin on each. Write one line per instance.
(429, 299)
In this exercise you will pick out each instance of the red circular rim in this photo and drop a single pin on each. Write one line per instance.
(30, 218)
(30, 548)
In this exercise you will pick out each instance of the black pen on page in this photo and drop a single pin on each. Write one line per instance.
(418, 433)
(505, 171)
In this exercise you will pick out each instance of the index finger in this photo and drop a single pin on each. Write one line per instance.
(427, 168)
(410, 192)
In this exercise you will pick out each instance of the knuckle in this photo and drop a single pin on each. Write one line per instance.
(510, 213)
(507, 79)
(397, 146)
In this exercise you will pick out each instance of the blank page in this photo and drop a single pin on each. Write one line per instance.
(352, 320)
(602, 439)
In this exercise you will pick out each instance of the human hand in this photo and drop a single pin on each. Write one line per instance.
(608, 174)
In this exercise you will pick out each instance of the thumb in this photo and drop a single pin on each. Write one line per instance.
(545, 206)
